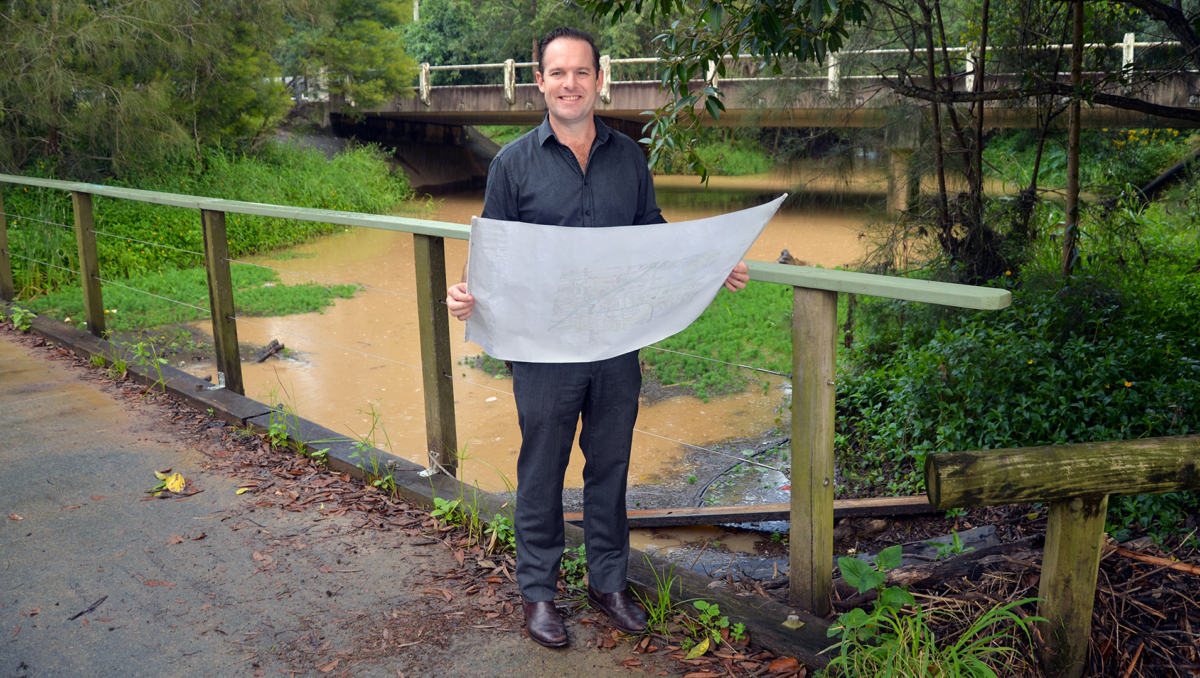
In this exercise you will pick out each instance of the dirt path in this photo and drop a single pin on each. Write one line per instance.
(101, 580)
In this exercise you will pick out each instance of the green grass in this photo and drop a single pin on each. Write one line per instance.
(128, 310)
(751, 327)
(357, 180)
(503, 134)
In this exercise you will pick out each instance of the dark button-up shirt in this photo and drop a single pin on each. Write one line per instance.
(537, 180)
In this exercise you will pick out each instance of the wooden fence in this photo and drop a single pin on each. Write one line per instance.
(814, 332)
(1076, 481)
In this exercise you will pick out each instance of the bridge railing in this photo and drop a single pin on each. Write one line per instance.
(814, 332)
(833, 76)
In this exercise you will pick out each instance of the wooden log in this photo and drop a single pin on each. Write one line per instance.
(716, 515)
(7, 291)
(434, 324)
(1059, 472)
(268, 351)
(1070, 567)
(220, 299)
(814, 354)
(970, 565)
(89, 263)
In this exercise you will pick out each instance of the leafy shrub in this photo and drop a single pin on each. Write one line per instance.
(1110, 354)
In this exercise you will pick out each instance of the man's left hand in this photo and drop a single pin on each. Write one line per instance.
(738, 278)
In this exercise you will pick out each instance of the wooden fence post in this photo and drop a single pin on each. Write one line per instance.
(7, 292)
(89, 263)
(434, 323)
(1070, 567)
(814, 364)
(220, 299)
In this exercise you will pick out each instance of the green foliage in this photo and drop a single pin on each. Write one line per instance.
(105, 88)
(501, 534)
(447, 511)
(778, 34)
(751, 327)
(886, 642)
(488, 364)
(355, 48)
(946, 551)
(1109, 354)
(573, 567)
(453, 32)
(257, 292)
(710, 621)
(21, 318)
(358, 180)
(1108, 159)
(660, 609)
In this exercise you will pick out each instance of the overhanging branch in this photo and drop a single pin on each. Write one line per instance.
(1043, 89)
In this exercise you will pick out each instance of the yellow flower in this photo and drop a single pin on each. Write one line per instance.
(1030, 362)
(1128, 384)
(1008, 273)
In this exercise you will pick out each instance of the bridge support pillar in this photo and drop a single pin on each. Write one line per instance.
(904, 182)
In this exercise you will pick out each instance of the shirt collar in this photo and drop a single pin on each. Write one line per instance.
(545, 131)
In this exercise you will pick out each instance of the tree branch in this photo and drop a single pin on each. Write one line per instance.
(1042, 89)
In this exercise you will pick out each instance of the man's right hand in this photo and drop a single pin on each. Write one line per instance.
(459, 302)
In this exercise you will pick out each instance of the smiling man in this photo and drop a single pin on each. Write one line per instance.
(573, 171)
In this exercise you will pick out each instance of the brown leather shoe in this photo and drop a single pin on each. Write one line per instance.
(624, 614)
(544, 624)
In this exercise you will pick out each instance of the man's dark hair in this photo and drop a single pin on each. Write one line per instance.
(565, 32)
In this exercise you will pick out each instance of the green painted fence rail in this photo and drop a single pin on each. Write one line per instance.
(814, 351)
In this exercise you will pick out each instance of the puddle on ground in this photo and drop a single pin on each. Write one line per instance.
(364, 352)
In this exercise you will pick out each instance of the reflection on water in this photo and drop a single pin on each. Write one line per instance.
(379, 358)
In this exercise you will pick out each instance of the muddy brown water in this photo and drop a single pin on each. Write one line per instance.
(364, 352)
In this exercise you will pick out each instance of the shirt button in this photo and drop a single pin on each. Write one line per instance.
(588, 213)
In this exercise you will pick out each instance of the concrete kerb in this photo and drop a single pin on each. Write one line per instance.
(763, 618)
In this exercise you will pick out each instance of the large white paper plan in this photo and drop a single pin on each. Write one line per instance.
(557, 294)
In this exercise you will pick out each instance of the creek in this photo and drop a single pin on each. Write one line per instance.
(338, 387)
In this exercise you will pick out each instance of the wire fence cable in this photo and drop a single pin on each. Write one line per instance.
(152, 244)
(714, 360)
(39, 261)
(18, 217)
(156, 296)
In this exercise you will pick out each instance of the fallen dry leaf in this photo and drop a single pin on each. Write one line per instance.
(202, 535)
(783, 665)
(71, 508)
(330, 667)
(325, 569)
(701, 674)
(17, 631)
(701, 648)
(259, 556)
(103, 496)
(104, 620)
(460, 556)
(176, 539)
(13, 516)
(35, 611)
(157, 582)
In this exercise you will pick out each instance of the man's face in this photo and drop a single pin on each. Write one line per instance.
(569, 80)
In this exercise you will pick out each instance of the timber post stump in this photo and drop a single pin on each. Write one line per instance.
(89, 263)
(1076, 480)
(433, 323)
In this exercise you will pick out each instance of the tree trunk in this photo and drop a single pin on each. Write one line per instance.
(1071, 232)
(945, 227)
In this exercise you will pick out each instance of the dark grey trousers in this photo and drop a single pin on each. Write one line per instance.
(551, 397)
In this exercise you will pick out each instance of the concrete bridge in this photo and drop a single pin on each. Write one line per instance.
(431, 127)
